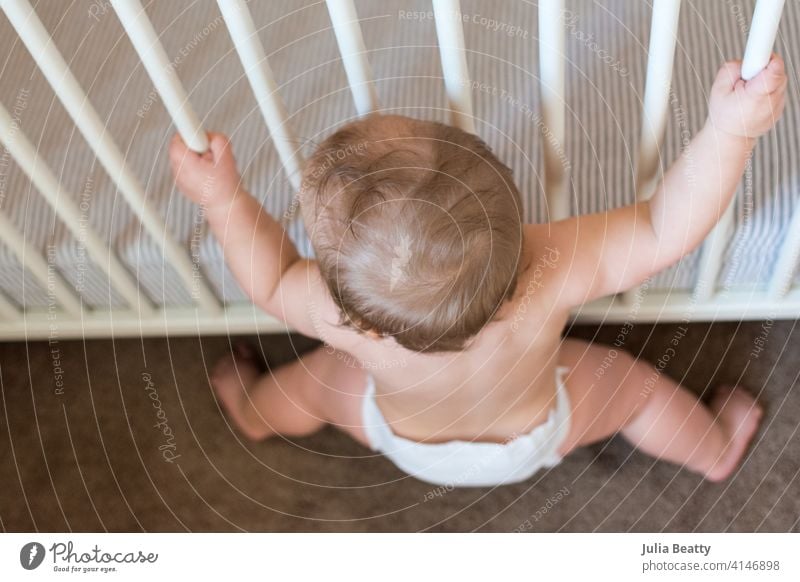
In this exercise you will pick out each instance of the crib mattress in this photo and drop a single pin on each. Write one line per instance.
(606, 61)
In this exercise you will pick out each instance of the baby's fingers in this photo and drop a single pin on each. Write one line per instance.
(219, 146)
(771, 79)
(727, 77)
(187, 159)
(177, 148)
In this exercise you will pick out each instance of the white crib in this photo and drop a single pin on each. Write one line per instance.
(63, 310)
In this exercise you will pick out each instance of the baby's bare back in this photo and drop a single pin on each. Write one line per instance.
(501, 386)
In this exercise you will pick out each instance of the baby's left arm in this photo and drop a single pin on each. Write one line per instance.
(257, 248)
(610, 252)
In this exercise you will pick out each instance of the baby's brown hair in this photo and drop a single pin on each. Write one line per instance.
(417, 228)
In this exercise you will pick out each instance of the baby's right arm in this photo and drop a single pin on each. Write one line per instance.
(257, 249)
(609, 252)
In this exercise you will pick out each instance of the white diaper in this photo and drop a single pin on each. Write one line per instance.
(472, 464)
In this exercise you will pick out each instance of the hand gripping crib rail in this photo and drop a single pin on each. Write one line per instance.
(67, 316)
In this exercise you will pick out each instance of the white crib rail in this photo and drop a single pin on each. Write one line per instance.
(711, 255)
(354, 54)
(552, 84)
(781, 301)
(786, 265)
(145, 40)
(655, 106)
(65, 208)
(763, 31)
(50, 61)
(251, 52)
(449, 31)
(58, 290)
(759, 47)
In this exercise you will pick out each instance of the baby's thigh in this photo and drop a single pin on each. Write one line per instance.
(605, 387)
(336, 384)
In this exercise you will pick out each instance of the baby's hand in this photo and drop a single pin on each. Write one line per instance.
(748, 108)
(209, 179)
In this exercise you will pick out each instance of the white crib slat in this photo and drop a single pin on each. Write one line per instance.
(655, 109)
(763, 30)
(655, 105)
(50, 61)
(786, 265)
(757, 54)
(67, 210)
(354, 54)
(30, 258)
(151, 52)
(450, 33)
(552, 36)
(710, 263)
(251, 52)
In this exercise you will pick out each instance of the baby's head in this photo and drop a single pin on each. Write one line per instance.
(417, 228)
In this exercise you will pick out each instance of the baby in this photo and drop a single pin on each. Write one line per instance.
(441, 312)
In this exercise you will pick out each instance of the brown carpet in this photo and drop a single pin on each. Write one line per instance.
(80, 451)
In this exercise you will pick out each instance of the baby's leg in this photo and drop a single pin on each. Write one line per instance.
(612, 391)
(296, 399)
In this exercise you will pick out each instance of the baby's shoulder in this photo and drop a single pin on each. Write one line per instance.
(543, 273)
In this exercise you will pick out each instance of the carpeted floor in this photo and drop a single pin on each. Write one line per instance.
(81, 449)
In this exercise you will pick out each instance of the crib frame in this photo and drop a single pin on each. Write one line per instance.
(67, 317)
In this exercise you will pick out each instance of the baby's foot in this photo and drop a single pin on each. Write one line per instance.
(739, 415)
(232, 377)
